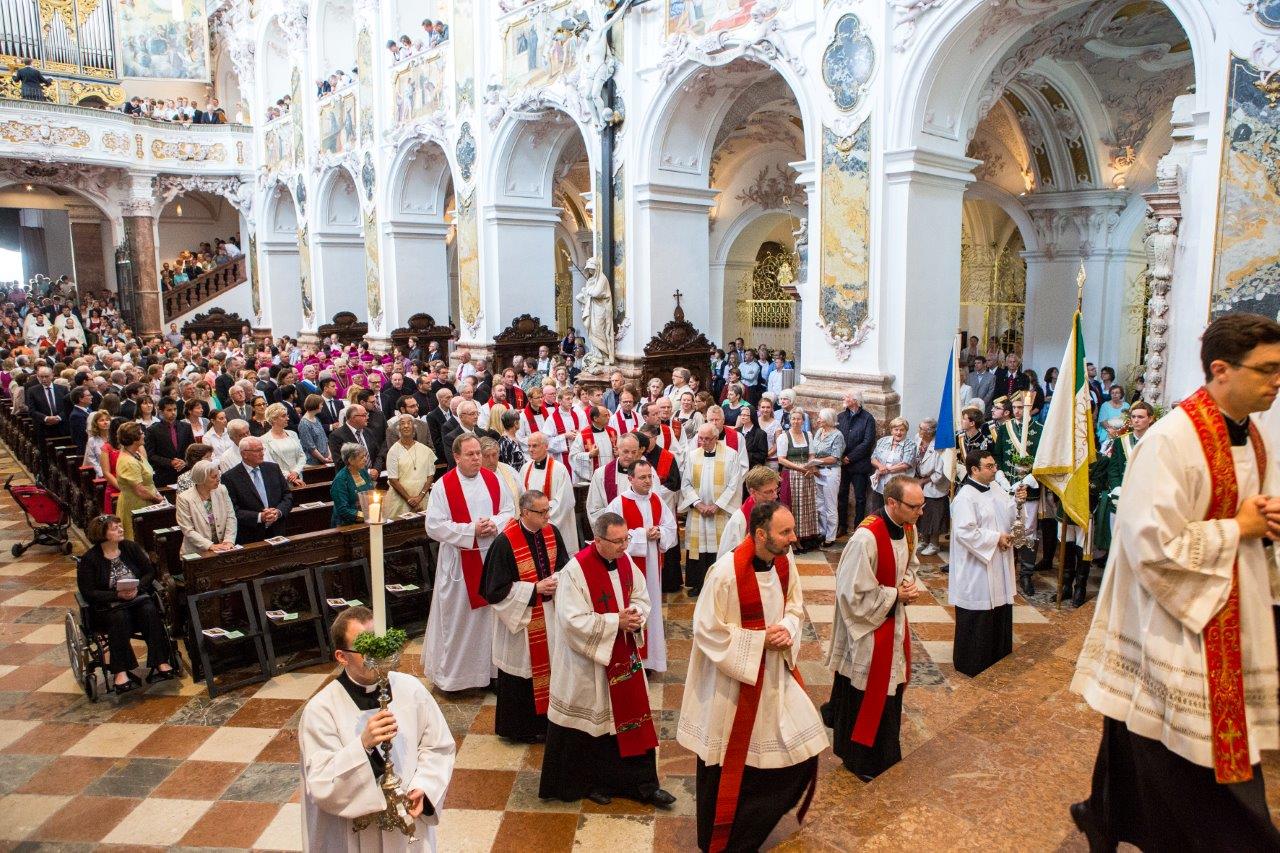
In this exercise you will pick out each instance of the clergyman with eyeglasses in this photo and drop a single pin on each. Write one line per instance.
(1180, 658)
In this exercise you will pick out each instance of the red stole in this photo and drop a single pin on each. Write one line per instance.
(546, 480)
(868, 722)
(589, 441)
(472, 562)
(632, 516)
(531, 418)
(626, 424)
(730, 437)
(539, 651)
(611, 481)
(628, 693)
(516, 393)
(744, 715)
(558, 419)
(1223, 664)
(663, 467)
(748, 505)
(668, 435)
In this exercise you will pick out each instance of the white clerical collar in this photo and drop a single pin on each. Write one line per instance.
(636, 496)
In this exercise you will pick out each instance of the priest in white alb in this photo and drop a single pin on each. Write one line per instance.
(519, 584)
(745, 713)
(601, 737)
(566, 424)
(981, 585)
(533, 418)
(711, 493)
(468, 507)
(1180, 658)
(550, 476)
(610, 479)
(762, 484)
(339, 735)
(593, 446)
(870, 640)
(652, 528)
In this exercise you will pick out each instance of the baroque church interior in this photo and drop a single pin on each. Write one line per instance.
(851, 186)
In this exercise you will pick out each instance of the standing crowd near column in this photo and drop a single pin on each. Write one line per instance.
(564, 510)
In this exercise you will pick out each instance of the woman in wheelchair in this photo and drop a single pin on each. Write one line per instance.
(115, 577)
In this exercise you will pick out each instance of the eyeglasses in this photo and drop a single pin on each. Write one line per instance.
(539, 511)
(912, 507)
(1269, 370)
(621, 541)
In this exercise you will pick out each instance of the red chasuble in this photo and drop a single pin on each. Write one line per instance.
(1223, 663)
(628, 694)
(744, 716)
(539, 651)
(472, 562)
(868, 722)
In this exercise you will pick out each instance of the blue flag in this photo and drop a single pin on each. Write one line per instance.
(945, 441)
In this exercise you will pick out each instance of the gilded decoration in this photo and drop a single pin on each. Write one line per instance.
(372, 281)
(162, 150)
(844, 295)
(468, 234)
(1247, 251)
(117, 143)
(468, 264)
(21, 133)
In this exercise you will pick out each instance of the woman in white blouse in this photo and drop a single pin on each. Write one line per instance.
(216, 436)
(771, 426)
(99, 435)
(205, 513)
(282, 445)
(195, 418)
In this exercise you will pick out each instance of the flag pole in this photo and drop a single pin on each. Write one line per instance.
(1062, 525)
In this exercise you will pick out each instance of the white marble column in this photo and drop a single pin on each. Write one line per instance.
(415, 272)
(518, 268)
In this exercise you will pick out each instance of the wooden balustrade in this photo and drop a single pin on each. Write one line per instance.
(190, 295)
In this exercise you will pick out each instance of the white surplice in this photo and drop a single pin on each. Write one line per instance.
(583, 464)
(1168, 574)
(338, 784)
(511, 629)
(862, 605)
(597, 497)
(457, 653)
(981, 574)
(543, 424)
(735, 530)
(584, 644)
(788, 729)
(728, 500)
(561, 497)
(656, 639)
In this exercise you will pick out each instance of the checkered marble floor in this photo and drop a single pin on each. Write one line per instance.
(170, 768)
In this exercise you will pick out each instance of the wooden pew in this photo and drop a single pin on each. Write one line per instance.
(168, 540)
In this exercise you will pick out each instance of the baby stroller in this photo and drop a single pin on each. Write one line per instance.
(47, 514)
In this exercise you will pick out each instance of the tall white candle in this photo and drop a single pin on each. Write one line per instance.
(377, 570)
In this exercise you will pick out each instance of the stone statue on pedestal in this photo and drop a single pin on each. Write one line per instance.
(596, 297)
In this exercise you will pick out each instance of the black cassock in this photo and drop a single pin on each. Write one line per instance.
(515, 716)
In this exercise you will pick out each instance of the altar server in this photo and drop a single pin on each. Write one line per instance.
(745, 713)
(870, 642)
(551, 477)
(711, 493)
(467, 508)
(762, 484)
(1180, 658)
(601, 739)
(981, 585)
(339, 735)
(519, 584)
(652, 528)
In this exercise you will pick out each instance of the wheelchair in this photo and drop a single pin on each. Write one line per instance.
(87, 646)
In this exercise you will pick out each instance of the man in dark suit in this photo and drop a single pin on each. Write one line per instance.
(393, 391)
(377, 420)
(267, 386)
(858, 427)
(356, 431)
(259, 494)
(47, 403)
(167, 441)
(468, 415)
(330, 405)
(439, 420)
(78, 419)
(129, 405)
(32, 82)
(1010, 377)
(239, 408)
(223, 382)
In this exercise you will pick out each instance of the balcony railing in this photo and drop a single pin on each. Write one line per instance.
(190, 295)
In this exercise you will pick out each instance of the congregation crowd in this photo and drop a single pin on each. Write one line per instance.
(191, 263)
(434, 33)
(533, 484)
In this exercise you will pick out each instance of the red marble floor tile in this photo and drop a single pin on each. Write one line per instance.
(282, 748)
(231, 824)
(198, 780)
(484, 720)
(480, 789)
(172, 742)
(536, 832)
(86, 819)
(674, 833)
(38, 706)
(16, 654)
(30, 676)
(49, 738)
(149, 709)
(265, 713)
(67, 776)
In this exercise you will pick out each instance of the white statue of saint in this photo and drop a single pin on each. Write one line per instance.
(596, 297)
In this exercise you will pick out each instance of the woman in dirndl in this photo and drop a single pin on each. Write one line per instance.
(798, 489)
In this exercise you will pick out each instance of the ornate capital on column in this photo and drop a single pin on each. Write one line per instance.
(1076, 223)
(233, 188)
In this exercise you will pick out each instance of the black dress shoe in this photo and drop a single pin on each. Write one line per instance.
(828, 715)
(1083, 818)
(599, 799)
(157, 675)
(1026, 586)
(128, 686)
(661, 799)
